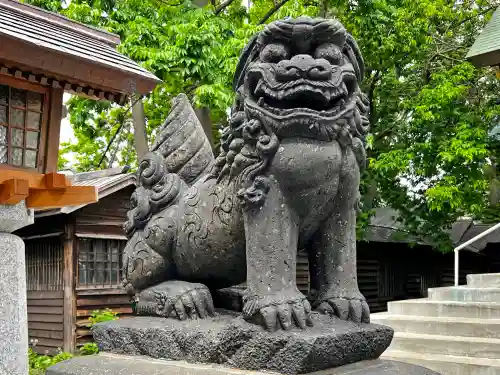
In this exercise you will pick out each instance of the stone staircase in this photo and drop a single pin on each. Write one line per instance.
(455, 331)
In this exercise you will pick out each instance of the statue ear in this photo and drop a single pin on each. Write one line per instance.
(246, 57)
(352, 50)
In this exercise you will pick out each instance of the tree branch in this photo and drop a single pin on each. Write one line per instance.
(482, 12)
(272, 11)
(114, 135)
(223, 6)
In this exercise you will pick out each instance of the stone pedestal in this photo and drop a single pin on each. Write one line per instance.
(112, 364)
(229, 340)
(13, 314)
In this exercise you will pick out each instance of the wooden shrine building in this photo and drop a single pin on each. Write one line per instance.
(92, 236)
(43, 55)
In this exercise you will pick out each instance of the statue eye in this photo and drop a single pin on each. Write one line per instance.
(329, 52)
(274, 53)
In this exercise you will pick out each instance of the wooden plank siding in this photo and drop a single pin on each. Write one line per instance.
(107, 216)
(88, 300)
(302, 276)
(44, 279)
(45, 321)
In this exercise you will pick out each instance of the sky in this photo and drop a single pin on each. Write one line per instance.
(67, 134)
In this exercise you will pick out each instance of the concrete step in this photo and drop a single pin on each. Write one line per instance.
(447, 364)
(465, 294)
(477, 347)
(484, 280)
(469, 327)
(426, 307)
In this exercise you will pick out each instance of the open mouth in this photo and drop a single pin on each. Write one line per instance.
(324, 98)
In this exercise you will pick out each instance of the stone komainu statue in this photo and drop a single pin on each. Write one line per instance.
(287, 178)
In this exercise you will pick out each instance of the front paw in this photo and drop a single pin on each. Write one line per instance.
(278, 311)
(346, 306)
(176, 299)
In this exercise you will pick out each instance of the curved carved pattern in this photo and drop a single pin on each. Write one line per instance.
(196, 230)
(164, 192)
(192, 196)
(142, 266)
(223, 208)
(160, 234)
(151, 170)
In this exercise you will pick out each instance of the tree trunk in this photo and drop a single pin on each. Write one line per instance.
(140, 137)
(203, 115)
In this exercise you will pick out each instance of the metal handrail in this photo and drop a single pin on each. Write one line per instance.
(467, 243)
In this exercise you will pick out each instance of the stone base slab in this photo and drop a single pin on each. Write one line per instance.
(112, 364)
(231, 341)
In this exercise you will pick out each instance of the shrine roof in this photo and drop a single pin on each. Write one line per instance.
(486, 49)
(67, 50)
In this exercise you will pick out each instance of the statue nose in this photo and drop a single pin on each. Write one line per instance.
(303, 66)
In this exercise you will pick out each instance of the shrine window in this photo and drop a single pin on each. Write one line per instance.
(100, 262)
(23, 108)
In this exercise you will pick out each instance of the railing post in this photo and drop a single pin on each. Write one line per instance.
(471, 241)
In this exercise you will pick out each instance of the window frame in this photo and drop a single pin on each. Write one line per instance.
(16, 83)
(87, 260)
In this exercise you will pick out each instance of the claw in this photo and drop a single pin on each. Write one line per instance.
(269, 314)
(326, 308)
(209, 303)
(299, 315)
(179, 308)
(188, 303)
(307, 309)
(355, 311)
(341, 308)
(285, 316)
(365, 314)
(199, 303)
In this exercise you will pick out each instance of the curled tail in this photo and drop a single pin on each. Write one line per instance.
(180, 155)
(182, 142)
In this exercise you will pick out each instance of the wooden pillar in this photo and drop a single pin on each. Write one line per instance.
(69, 317)
(56, 111)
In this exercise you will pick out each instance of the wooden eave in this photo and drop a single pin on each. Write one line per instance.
(81, 60)
(50, 190)
(486, 49)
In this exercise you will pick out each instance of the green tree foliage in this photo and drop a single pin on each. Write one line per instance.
(431, 156)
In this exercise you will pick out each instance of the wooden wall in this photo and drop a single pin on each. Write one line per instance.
(44, 277)
(302, 277)
(88, 300)
(45, 321)
(107, 216)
